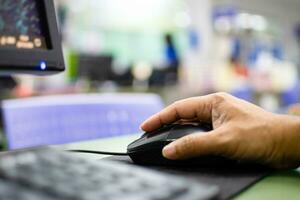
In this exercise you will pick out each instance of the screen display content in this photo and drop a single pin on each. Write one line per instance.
(20, 24)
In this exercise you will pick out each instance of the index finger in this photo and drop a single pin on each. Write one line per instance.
(196, 107)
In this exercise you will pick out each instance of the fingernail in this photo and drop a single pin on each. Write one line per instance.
(169, 151)
(142, 126)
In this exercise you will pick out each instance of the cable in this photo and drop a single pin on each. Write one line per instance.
(99, 152)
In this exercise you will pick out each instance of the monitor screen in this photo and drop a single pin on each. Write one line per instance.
(21, 24)
(29, 37)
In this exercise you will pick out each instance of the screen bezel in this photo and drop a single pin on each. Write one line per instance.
(29, 61)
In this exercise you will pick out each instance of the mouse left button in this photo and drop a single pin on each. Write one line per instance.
(183, 130)
(148, 138)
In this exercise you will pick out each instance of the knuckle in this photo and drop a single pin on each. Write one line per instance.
(220, 97)
(177, 103)
(222, 94)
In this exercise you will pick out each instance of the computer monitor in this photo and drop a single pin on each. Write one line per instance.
(29, 38)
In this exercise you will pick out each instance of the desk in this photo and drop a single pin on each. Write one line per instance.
(281, 185)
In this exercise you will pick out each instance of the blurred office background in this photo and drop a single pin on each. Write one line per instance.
(177, 49)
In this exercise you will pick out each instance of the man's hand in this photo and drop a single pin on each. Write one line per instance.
(242, 131)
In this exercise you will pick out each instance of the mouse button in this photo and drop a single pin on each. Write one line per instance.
(146, 147)
(176, 134)
(136, 143)
(183, 130)
(150, 138)
(156, 137)
(159, 131)
(162, 130)
(159, 134)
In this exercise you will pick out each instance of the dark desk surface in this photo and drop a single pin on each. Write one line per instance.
(281, 185)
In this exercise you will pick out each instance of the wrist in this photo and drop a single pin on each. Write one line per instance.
(288, 128)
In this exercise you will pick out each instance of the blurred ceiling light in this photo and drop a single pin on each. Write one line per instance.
(223, 25)
(258, 23)
(182, 20)
(243, 21)
(248, 21)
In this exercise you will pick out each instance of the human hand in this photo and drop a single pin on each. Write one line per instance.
(242, 131)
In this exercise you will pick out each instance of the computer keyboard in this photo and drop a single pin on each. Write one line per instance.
(47, 174)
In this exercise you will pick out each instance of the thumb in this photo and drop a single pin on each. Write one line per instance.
(198, 144)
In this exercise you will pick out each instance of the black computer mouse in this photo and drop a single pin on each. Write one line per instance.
(147, 150)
